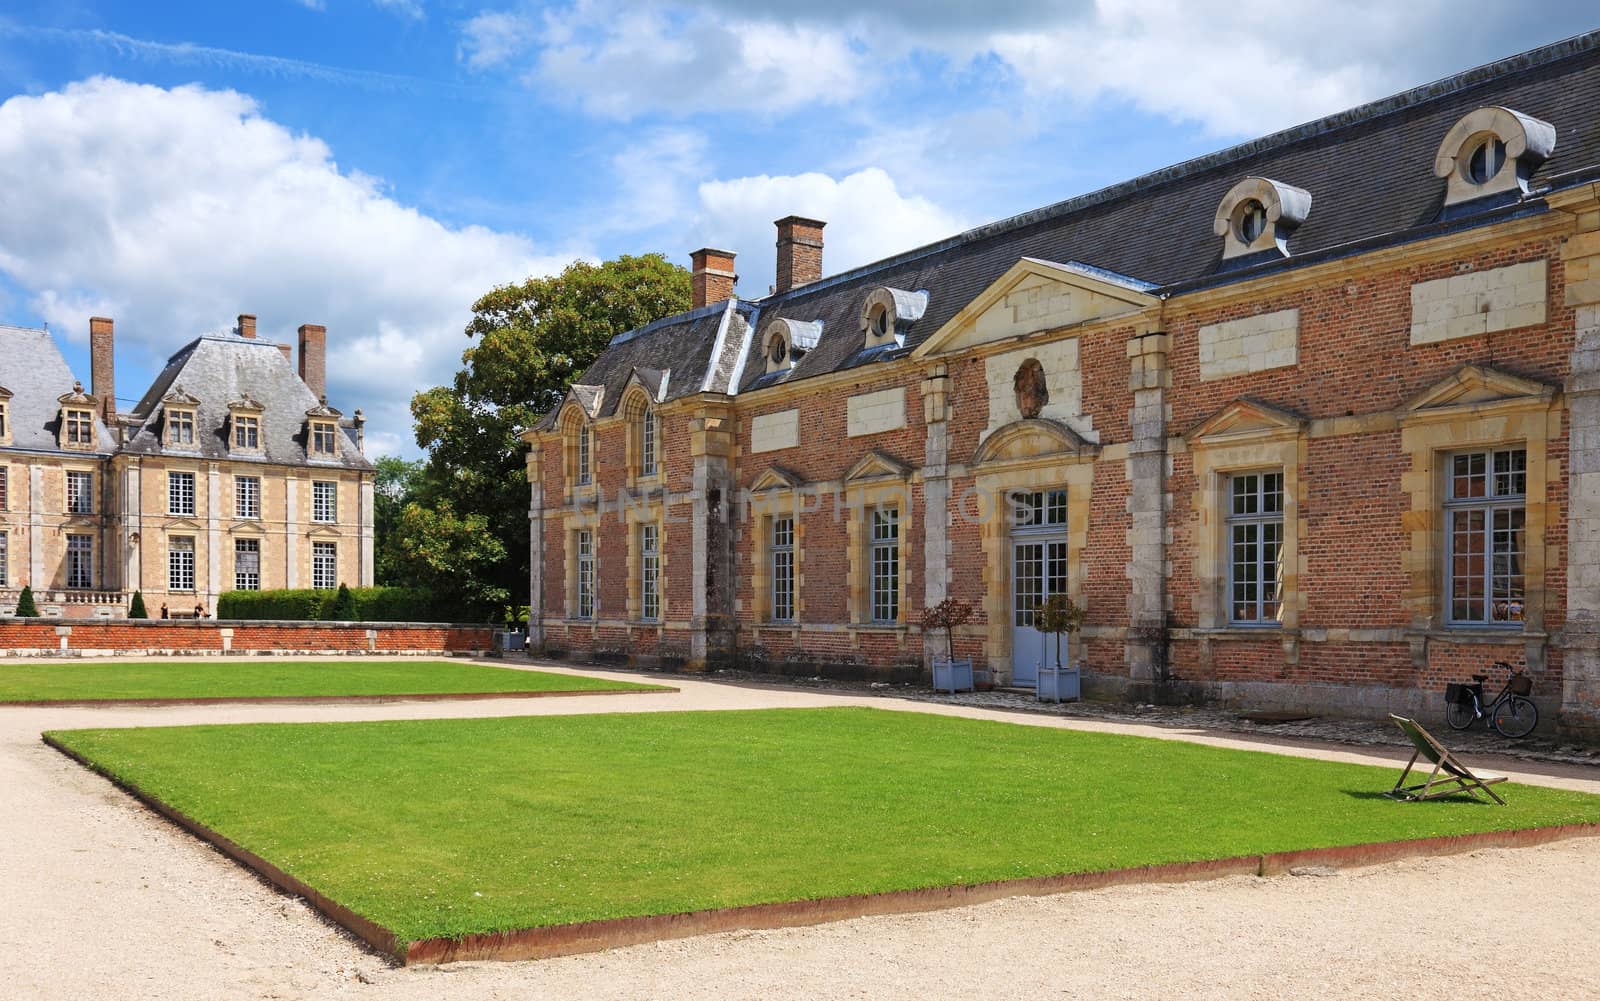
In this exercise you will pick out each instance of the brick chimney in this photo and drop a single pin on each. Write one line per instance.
(799, 251)
(103, 367)
(314, 358)
(288, 352)
(247, 326)
(712, 276)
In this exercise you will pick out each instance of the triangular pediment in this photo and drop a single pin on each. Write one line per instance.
(1038, 295)
(650, 381)
(1031, 438)
(587, 398)
(323, 530)
(1476, 385)
(877, 465)
(1245, 418)
(777, 478)
(247, 528)
(182, 525)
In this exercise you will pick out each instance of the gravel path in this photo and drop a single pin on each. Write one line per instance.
(104, 900)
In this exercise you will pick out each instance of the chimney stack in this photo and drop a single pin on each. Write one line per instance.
(288, 352)
(102, 367)
(799, 251)
(314, 358)
(247, 326)
(712, 276)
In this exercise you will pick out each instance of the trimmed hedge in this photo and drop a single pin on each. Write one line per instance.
(363, 604)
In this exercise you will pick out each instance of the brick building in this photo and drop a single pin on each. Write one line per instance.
(1310, 422)
(232, 472)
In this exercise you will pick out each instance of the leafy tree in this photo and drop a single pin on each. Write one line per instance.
(396, 483)
(344, 605)
(26, 609)
(531, 341)
(136, 607)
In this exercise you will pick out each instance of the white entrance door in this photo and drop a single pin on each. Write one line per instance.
(1038, 570)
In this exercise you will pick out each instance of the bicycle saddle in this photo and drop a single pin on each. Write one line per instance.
(1480, 678)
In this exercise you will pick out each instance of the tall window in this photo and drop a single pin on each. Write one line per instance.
(648, 431)
(80, 492)
(180, 564)
(885, 563)
(322, 438)
(247, 432)
(324, 501)
(4, 485)
(247, 496)
(585, 574)
(247, 564)
(80, 427)
(180, 493)
(1255, 539)
(180, 427)
(650, 572)
(5, 414)
(585, 475)
(5, 559)
(80, 561)
(783, 569)
(324, 565)
(1485, 520)
(1039, 509)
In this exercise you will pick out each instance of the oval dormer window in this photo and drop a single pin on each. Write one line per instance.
(880, 323)
(1252, 221)
(1486, 160)
(778, 351)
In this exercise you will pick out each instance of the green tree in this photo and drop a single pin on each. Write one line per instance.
(136, 607)
(344, 605)
(396, 483)
(531, 341)
(26, 609)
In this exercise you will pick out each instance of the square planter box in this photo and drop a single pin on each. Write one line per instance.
(1060, 684)
(952, 675)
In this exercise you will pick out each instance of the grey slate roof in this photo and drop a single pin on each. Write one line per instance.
(32, 368)
(220, 369)
(1369, 171)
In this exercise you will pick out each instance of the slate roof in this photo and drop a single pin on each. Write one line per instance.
(1369, 171)
(220, 369)
(32, 368)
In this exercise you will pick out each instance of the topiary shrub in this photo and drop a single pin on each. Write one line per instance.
(136, 607)
(26, 609)
(344, 605)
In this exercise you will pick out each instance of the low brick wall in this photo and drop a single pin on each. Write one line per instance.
(54, 637)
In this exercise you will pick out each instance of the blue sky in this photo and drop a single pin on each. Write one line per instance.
(374, 165)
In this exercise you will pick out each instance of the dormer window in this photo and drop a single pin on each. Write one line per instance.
(585, 459)
(77, 419)
(886, 315)
(244, 418)
(322, 431)
(786, 341)
(647, 443)
(5, 416)
(1258, 215)
(323, 441)
(1491, 151)
(178, 409)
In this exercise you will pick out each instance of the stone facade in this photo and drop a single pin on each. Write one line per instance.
(1255, 471)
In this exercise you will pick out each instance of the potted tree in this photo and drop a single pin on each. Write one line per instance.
(949, 674)
(1059, 614)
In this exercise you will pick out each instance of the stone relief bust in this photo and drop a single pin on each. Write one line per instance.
(1029, 385)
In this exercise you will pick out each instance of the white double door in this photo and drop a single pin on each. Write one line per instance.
(1038, 570)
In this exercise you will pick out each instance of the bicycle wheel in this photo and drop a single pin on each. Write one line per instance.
(1515, 717)
(1459, 715)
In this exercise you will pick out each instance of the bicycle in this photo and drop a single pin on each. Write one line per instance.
(1511, 713)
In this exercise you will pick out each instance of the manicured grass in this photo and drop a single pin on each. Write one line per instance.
(270, 678)
(448, 827)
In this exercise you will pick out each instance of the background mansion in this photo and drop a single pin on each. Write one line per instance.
(231, 472)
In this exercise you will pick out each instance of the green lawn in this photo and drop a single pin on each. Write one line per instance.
(91, 681)
(448, 827)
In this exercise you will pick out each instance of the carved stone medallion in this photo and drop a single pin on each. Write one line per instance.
(1029, 385)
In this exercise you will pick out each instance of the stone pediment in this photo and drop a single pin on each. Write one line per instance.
(777, 478)
(1031, 438)
(1246, 418)
(1038, 295)
(247, 527)
(182, 525)
(1475, 386)
(323, 530)
(876, 465)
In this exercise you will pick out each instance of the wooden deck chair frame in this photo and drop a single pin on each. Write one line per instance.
(1449, 775)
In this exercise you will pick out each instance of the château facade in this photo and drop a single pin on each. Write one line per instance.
(232, 472)
(1311, 422)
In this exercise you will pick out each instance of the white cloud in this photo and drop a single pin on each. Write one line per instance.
(174, 210)
(623, 61)
(405, 8)
(495, 37)
(868, 219)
